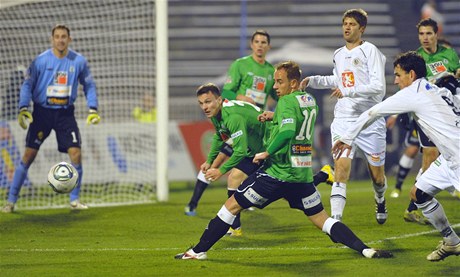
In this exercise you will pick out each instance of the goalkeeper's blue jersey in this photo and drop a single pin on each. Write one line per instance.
(52, 82)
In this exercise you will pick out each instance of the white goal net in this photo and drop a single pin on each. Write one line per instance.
(118, 39)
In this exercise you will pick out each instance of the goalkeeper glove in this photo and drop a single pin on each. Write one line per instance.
(93, 117)
(24, 117)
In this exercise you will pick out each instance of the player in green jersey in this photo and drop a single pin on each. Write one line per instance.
(249, 79)
(286, 172)
(235, 120)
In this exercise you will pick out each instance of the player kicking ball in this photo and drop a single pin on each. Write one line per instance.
(286, 171)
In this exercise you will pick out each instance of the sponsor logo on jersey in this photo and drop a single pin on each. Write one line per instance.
(254, 197)
(301, 161)
(312, 200)
(301, 149)
(348, 79)
(287, 121)
(237, 134)
(437, 67)
(306, 100)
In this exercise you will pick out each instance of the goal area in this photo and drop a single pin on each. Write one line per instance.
(117, 37)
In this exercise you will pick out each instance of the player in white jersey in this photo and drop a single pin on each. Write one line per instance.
(358, 81)
(437, 112)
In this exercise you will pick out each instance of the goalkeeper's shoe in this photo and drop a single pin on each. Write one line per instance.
(442, 251)
(381, 213)
(191, 255)
(329, 170)
(77, 205)
(372, 253)
(238, 232)
(415, 216)
(8, 208)
(190, 211)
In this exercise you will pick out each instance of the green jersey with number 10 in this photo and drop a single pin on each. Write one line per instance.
(292, 163)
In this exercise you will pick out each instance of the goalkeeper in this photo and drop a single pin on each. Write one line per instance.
(52, 85)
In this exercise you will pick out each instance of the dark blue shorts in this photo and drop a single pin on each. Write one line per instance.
(62, 121)
(247, 166)
(412, 137)
(260, 189)
(424, 140)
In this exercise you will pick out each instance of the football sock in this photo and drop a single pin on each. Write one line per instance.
(412, 206)
(19, 177)
(217, 228)
(237, 222)
(319, 178)
(379, 191)
(405, 165)
(75, 193)
(198, 191)
(434, 212)
(338, 200)
(341, 233)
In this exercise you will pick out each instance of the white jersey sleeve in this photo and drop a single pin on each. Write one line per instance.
(435, 109)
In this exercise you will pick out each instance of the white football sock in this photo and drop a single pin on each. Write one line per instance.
(434, 212)
(338, 200)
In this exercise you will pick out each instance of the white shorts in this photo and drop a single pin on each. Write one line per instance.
(439, 176)
(371, 141)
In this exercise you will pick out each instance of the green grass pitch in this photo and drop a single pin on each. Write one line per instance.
(142, 240)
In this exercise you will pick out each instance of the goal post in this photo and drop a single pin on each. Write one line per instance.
(121, 164)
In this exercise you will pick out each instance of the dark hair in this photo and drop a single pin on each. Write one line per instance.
(357, 14)
(261, 32)
(209, 87)
(411, 60)
(60, 26)
(292, 69)
(428, 22)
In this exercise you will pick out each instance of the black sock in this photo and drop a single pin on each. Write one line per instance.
(411, 206)
(319, 178)
(200, 186)
(402, 174)
(215, 231)
(341, 233)
(237, 223)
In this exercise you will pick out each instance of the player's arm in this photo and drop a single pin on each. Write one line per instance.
(321, 82)
(232, 82)
(89, 89)
(376, 66)
(25, 95)
(238, 129)
(216, 145)
(401, 102)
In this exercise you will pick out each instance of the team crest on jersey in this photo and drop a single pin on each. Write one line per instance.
(228, 80)
(348, 79)
(306, 100)
(71, 69)
(258, 83)
(60, 78)
(437, 67)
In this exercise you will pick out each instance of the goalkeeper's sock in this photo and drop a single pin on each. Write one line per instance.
(412, 206)
(320, 177)
(75, 193)
(198, 191)
(19, 177)
(216, 229)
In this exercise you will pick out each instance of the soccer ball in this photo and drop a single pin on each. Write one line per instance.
(62, 177)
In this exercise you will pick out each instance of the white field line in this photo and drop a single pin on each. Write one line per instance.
(230, 249)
